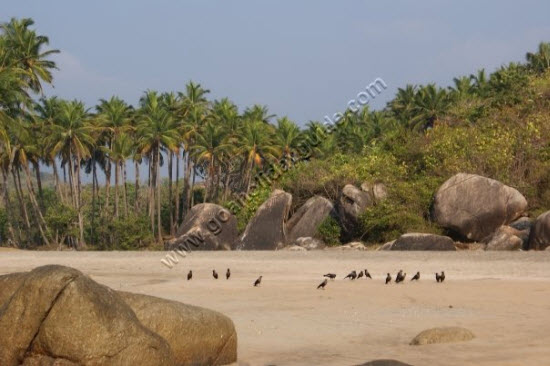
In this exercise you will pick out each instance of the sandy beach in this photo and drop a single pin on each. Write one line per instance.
(502, 297)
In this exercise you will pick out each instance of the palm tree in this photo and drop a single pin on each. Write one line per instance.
(122, 149)
(113, 116)
(431, 103)
(462, 87)
(540, 61)
(403, 104)
(287, 139)
(26, 47)
(194, 110)
(210, 147)
(156, 131)
(481, 82)
(255, 146)
(71, 135)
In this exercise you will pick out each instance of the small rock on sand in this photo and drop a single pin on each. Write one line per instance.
(442, 335)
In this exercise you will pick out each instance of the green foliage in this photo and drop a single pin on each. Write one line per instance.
(131, 233)
(245, 209)
(330, 231)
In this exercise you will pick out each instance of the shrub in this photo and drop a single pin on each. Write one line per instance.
(330, 231)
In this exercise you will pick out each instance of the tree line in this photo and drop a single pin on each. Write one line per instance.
(212, 150)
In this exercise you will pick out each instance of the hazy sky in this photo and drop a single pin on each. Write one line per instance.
(303, 59)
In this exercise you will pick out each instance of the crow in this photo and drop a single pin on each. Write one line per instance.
(367, 274)
(227, 274)
(352, 275)
(330, 275)
(323, 284)
(442, 276)
(258, 281)
(416, 277)
(398, 276)
(437, 278)
(388, 278)
(189, 275)
(360, 274)
(215, 274)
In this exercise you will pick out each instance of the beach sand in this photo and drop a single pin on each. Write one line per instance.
(502, 297)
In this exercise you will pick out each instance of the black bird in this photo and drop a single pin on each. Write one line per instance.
(258, 281)
(323, 284)
(360, 274)
(227, 274)
(330, 275)
(398, 276)
(416, 277)
(388, 278)
(367, 274)
(437, 278)
(442, 276)
(352, 275)
(215, 274)
(189, 275)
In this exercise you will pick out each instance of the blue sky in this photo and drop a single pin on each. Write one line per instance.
(305, 59)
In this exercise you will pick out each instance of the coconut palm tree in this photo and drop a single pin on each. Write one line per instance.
(72, 136)
(540, 61)
(156, 131)
(113, 116)
(287, 139)
(121, 150)
(431, 103)
(27, 49)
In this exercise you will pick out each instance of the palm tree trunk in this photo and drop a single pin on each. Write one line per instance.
(57, 183)
(36, 167)
(107, 183)
(19, 195)
(170, 205)
(125, 190)
(159, 227)
(136, 193)
(177, 198)
(117, 174)
(94, 198)
(41, 223)
(192, 201)
(151, 197)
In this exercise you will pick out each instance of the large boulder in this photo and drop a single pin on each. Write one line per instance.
(266, 230)
(505, 238)
(196, 335)
(539, 238)
(419, 241)
(55, 315)
(475, 206)
(351, 204)
(306, 219)
(206, 227)
(442, 335)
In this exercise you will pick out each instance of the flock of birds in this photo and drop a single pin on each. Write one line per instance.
(399, 277)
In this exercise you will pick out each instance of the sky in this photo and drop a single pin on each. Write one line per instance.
(303, 59)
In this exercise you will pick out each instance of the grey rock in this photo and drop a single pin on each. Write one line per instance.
(505, 238)
(474, 206)
(352, 203)
(206, 227)
(266, 230)
(420, 241)
(539, 238)
(306, 219)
